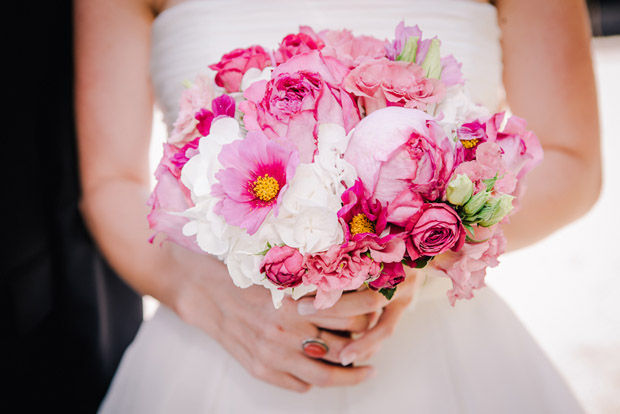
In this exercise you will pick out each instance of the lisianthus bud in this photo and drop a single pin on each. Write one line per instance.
(410, 50)
(499, 208)
(432, 62)
(476, 202)
(460, 190)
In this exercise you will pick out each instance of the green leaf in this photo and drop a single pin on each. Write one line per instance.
(420, 262)
(410, 50)
(388, 293)
(187, 84)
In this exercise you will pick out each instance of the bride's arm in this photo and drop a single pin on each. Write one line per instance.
(114, 104)
(550, 82)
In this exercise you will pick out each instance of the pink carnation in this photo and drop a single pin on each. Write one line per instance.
(382, 82)
(351, 50)
(193, 101)
(231, 68)
(302, 91)
(338, 269)
(467, 267)
(255, 174)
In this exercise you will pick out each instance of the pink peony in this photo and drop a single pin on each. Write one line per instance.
(467, 267)
(255, 174)
(435, 229)
(351, 50)
(401, 157)
(382, 82)
(231, 68)
(296, 44)
(301, 92)
(170, 196)
(338, 269)
(283, 266)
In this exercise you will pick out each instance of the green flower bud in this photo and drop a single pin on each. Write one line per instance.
(476, 202)
(460, 190)
(499, 208)
(410, 50)
(432, 61)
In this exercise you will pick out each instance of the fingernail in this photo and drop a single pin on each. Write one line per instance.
(347, 358)
(305, 308)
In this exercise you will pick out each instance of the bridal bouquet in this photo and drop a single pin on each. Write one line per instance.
(334, 161)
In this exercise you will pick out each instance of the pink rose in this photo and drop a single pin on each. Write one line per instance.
(391, 275)
(402, 156)
(467, 267)
(339, 268)
(170, 196)
(435, 229)
(296, 44)
(302, 91)
(283, 266)
(351, 50)
(231, 68)
(382, 82)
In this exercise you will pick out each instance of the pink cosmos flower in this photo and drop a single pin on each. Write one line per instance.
(467, 267)
(338, 269)
(359, 216)
(435, 229)
(283, 266)
(302, 91)
(402, 157)
(171, 196)
(450, 69)
(351, 50)
(255, 174)
(382, 82)
(193, 101)
(231, 68)
(296, 44)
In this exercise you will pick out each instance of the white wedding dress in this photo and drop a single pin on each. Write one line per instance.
(473, 358)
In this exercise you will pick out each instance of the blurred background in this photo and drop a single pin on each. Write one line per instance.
(564, 288)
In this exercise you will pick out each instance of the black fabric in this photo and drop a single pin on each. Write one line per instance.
(66, 318)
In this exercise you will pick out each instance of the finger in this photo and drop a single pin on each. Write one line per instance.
(358, 323)
(279, 378)
(369, 343)
(319, 373)
(350, 304)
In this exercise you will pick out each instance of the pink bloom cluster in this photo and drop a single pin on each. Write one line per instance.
(418, 195)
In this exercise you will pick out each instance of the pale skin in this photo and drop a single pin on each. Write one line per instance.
(549, 81)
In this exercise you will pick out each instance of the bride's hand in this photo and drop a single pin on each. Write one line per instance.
(365, 308)
(265, 340)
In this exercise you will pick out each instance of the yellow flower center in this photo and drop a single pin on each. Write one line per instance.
(361, 224)
(469, 143)
(266, 188)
